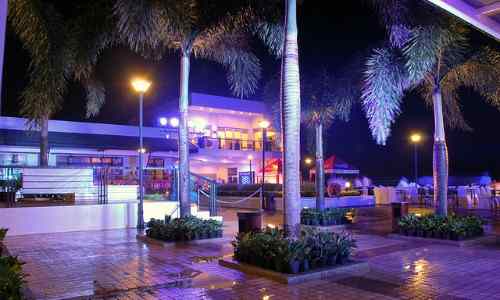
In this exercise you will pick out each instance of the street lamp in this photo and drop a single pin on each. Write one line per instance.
(141, 86)
(250, 157)
(264, 124)
(307, 162)
(415, 139)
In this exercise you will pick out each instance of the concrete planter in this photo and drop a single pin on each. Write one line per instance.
(145, 239)
(462, 243)
(354, 268)
(330, 228)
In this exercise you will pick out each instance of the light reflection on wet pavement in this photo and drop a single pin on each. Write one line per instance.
(115, 265)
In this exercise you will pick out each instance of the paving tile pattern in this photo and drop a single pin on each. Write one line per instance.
(115, 265)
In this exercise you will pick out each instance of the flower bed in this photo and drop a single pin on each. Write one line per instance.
(11, 274)
(312, 249)
(448, 228)
(183, 229)
(327, 217)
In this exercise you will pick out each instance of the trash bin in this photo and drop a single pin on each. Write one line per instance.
(399, 209)
(271, 203)
(249, 221)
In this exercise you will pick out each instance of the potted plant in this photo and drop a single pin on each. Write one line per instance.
(345, 244)
(295, 249)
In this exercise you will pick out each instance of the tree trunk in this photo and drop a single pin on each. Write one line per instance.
(291, 121)
(320, 170)
(440, 157)
(3, 26)
(44, 142)
(184, 199)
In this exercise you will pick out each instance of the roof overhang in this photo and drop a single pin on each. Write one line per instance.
(483, 14)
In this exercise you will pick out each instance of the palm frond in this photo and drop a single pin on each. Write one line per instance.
(41, 31)
(384, 85)
(452, 110)
(228, 45)
(396, 16)
(326, 98)
(96, 95)
(91, 38)
(481, 72)
(272, 35)
(430, 45)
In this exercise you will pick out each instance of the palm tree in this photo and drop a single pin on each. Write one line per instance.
(290, 112)
(429, 51)
(326, 99)
(60, 51)
(195, 29)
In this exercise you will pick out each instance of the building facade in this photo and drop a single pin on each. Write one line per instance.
(226, 144)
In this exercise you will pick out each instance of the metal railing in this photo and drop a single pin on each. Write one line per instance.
(234, 144)
(200, 186)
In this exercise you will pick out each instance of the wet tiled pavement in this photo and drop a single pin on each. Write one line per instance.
(115, 265)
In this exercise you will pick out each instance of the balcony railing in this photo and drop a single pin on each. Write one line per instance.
(234, 144)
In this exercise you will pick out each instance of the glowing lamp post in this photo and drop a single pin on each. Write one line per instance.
(141, 86)
(250, 157)
(415, 139)
(264, 124)
(308, 162)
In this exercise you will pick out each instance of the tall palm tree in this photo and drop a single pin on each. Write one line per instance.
(325, 99)
(426, 50)
(60, 51)
(197, 29)
(290, 111)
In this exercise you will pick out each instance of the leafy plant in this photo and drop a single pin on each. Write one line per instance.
(3, 233)
(183, 229)
(11, 278)
(451, 227)
(272, 249)
(329, 216)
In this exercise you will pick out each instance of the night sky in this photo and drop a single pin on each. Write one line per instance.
(328, 36)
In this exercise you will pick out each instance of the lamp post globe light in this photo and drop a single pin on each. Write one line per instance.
(141, 86)
(264, 124)
(415, 139)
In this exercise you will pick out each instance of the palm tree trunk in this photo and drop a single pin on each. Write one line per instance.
(44, 142)
(440, 157)
(291, 121)
(320, 171)
(184, 199)
(3, 25)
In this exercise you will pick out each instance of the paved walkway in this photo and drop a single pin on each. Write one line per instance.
(114, 265)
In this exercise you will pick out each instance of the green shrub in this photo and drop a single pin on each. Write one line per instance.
(11, 278)
(183, 229)
(3, 233)
(11, 274)
(433, 226)
(272, 249)
(326, 217)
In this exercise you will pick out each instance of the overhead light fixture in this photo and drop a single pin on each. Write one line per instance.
(174, 122)
(163, 121)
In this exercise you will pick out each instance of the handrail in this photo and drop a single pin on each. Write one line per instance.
(244, 199)
(210, 180)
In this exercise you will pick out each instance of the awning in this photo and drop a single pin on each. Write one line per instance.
(482, 14)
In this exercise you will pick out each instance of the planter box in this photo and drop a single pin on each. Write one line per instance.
(462, 243)
(330, 228)
(146, 239)
(355, 268)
